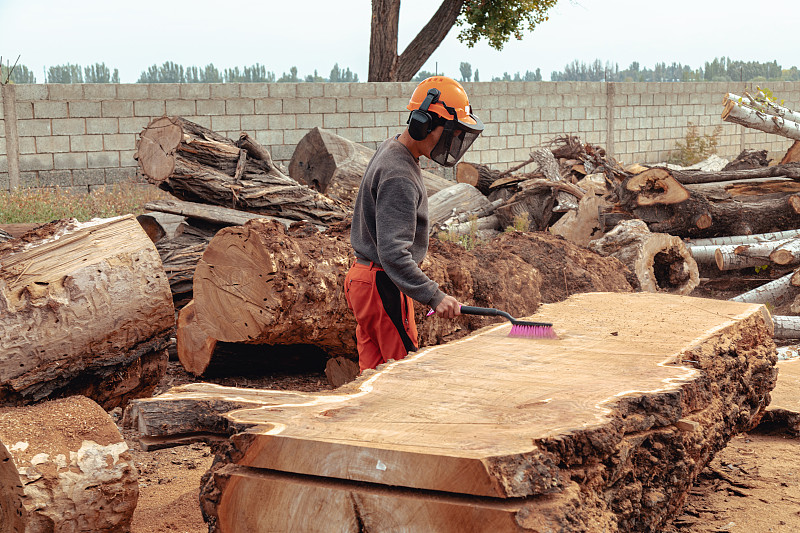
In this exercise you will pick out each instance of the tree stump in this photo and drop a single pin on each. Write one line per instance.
(659, 262)
(73, 465)
(85, 308)
(605, 428)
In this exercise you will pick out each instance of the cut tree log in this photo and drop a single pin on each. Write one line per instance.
(792, 154)
(479, 176)
(788, 253)
(85, 308)
(197, 165)
(740, 256)
(616, 414)
(534, 202)
(152, 227)
(786, 327)
(195, 348)
(761, 103)
(748, 159)
(696, 177)
(214, 214)
(775, 293)
(13, 515)
(453, 201)
(727, 208)
(341, 370)
(744, 239)
(74, 467)
(739, 113)
(582, 225)
(658, 262)
(262, 284)
(548, 166)
(653, 186)
(333, 165)
(179, 257)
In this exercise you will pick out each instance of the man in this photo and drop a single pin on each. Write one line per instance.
(390, 223)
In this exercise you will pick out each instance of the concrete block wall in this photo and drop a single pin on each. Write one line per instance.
(84, 135)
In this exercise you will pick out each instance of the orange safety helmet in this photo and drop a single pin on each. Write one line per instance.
(451, 93)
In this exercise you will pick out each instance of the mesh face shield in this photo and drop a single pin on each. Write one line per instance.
(456, 139)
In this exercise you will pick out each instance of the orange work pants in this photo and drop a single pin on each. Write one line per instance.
(384, 315)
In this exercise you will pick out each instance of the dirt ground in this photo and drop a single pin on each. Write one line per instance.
(751, 486)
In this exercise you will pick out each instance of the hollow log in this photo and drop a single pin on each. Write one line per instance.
(262, 284)
(333, 165)
(197, 165)
(616, 414)
(74, 467)
(85, 308)
(479, 176)
(659, 262)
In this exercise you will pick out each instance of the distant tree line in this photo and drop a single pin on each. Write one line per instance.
(720, 69)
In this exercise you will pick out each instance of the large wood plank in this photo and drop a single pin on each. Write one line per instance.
(616, 418)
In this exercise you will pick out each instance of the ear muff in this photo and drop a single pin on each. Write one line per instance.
(420, 121)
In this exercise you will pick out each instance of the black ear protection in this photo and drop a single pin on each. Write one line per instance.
(421, 121)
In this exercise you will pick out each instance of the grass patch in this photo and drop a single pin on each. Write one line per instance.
(46, 204)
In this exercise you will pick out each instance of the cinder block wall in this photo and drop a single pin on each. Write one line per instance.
(84, 135)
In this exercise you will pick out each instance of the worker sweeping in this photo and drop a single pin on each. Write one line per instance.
(390, 226)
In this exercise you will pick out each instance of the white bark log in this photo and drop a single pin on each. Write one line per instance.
(745, 239)
(787, 253)
(762, 105)
(736, 256)
(465, 228)
(549, 168)
(737, 113)
(453, 201)
(774, 293)
(786, 327)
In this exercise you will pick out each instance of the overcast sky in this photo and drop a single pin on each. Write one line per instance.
(315, 34)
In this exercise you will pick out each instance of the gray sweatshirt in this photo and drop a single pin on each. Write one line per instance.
(390, 221)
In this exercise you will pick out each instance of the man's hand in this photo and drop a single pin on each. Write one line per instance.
(448, 308)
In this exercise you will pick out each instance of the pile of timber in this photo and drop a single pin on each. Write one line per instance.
(85, 308)
(604, 428)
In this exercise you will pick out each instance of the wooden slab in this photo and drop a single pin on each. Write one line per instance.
(784, 409)
(638, 391)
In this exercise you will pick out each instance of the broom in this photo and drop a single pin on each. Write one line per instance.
(519, 328)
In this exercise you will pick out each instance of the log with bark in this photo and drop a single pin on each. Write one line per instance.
(605, 428)
(737, 111)
(748, 159)
(694, 177)
(263, 284)
(85, 308)
(658, 262)
(479, 176)
(5, 236)
(73, 465)
(333, 165)
(775, 293)
(212, 214)
(179, 257)
(197, 165)
(453, 201)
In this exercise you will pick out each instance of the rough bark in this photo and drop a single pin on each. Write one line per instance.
(334, 166)
(179, 257)
(213, 214)
(748, 159)
(745, 239)
(695, 177)
(197, 165)
(448, 203)
(74, 466)
(619, 453)
(85, 308)
(775, 293)
(659, 262)
(262, 284)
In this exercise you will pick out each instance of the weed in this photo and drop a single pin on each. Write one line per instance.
(520, 223)
(695, 147)
(469, 241)
(47, 204)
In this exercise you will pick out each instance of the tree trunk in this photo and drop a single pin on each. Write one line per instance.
(262, 284)
(74, 467)
(727, 208)
(549, 169)
(740, 256)
(774, 293)
(197, 165)
(221, 216)
(737, 113)
(792, 154)
(748, 159)
(787, 327)
(505, 455)
(334, 166)
(745, 239)
(479, 176)
(695, 177)
(85, 308)
(659, 262)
